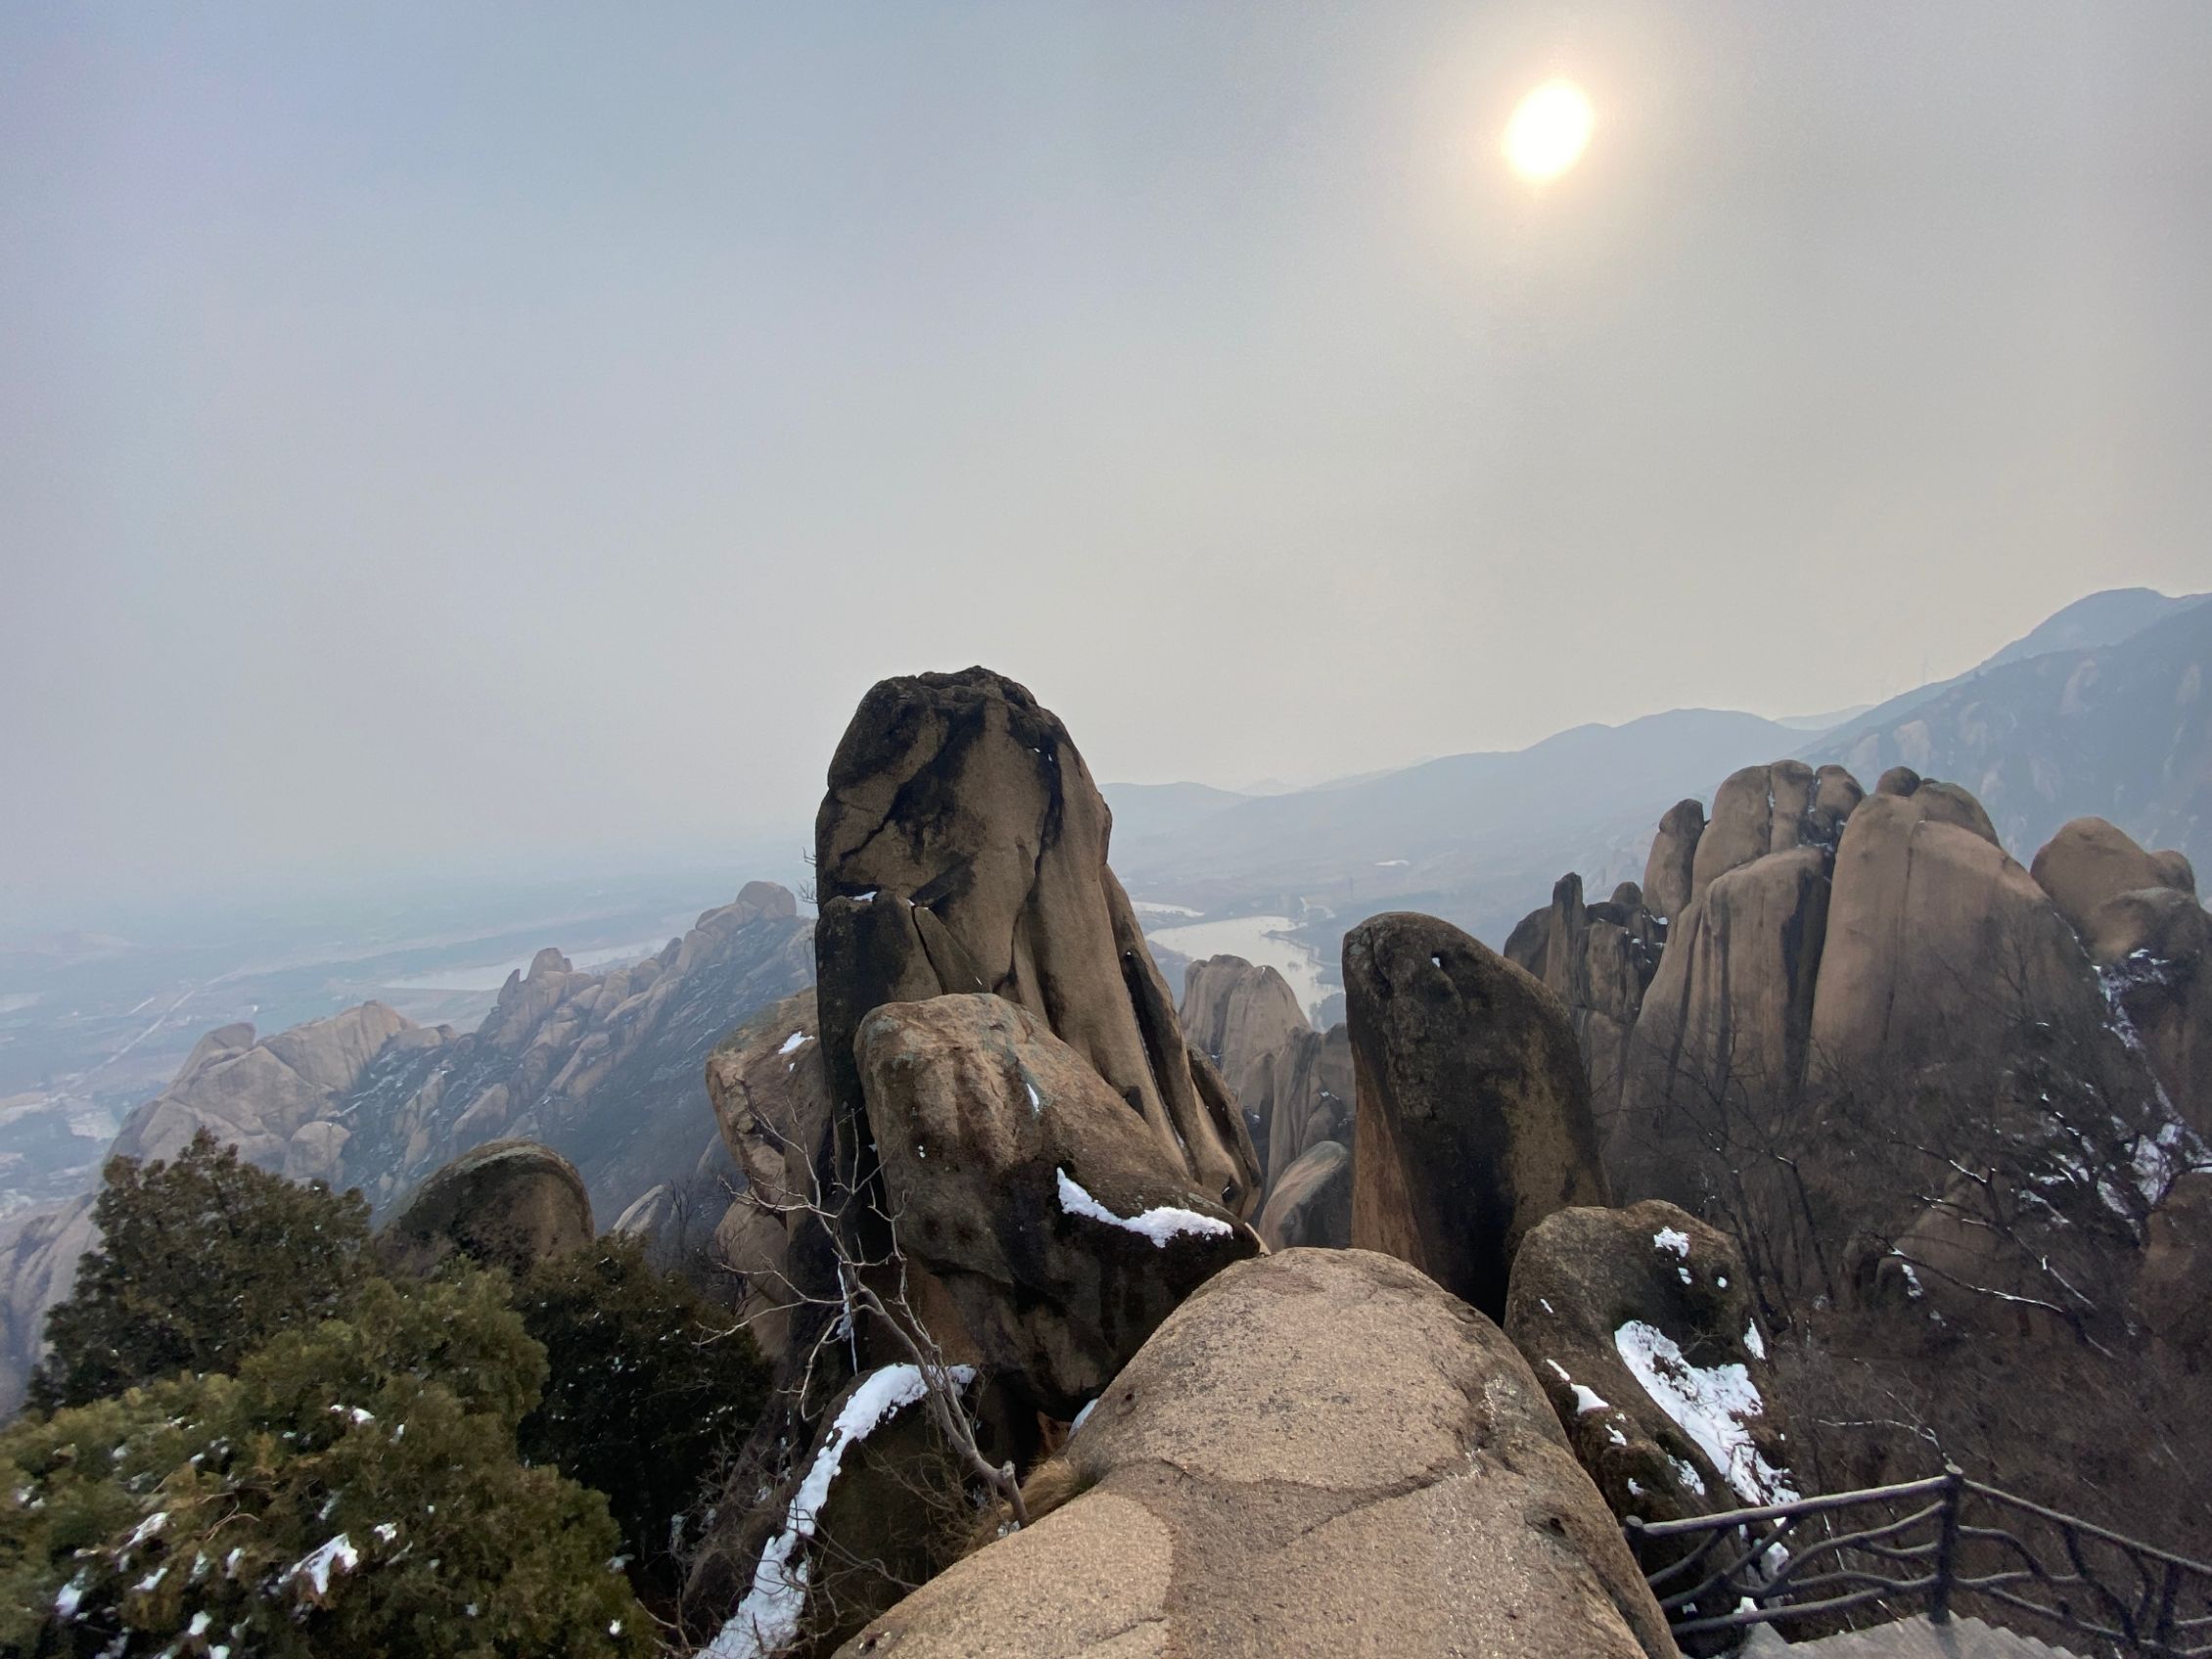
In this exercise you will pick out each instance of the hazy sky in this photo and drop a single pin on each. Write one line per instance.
(435, 429)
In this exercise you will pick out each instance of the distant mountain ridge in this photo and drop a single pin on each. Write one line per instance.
(2059, 723)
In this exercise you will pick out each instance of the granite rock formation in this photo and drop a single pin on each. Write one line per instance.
(961, 847)
(1033, 1193)
(1473, 1107)
(1237, 1498)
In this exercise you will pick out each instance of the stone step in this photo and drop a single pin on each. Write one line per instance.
(1909, 1638)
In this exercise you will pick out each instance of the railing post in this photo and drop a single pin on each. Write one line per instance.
(1947, 1544)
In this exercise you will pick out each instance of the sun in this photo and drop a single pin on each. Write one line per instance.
(1548, 131)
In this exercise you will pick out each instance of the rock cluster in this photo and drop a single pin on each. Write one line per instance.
(1294, 1086)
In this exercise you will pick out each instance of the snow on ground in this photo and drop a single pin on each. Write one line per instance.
(767, 1620)
(1710, 1403)
(1159, 1225)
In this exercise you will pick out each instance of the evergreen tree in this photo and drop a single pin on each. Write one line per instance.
(352, 1491)
(647, 1389)
(202, 1259)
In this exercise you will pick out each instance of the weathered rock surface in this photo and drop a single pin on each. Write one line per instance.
(2137, 916)
(1598, 959)
(1728, 1013)
(257, 1095)
(1473, 1109)
(1762, 810)
(1639, 1325)
(39, 1250)
(1248, 1021)
(2174, 1294)
(1671, 869)
(1237, 1498)
(1311, 1204)
(1033, 1192)
(1937, 942)
(508, 1204)
(1313, 1098)
(2092, 860)
(961, 847)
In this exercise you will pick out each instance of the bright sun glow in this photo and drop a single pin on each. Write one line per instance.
(1548, 131)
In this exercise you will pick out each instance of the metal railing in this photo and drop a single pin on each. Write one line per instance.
(1918, 1547)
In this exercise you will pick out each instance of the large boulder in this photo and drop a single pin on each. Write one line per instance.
(1597, 958)
(1312, 1201)
(508, 1204)
(1248, 1020)
(1937, 943)
(1033, 1192)
(1473, 1109)
(961, 847)
(2091, 861)
(1320, 1452)
(1640, 1326)
(2139, 918)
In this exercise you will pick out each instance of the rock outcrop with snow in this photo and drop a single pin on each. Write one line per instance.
(1319, 1453)
(1640, 1326)
(1033, 1193)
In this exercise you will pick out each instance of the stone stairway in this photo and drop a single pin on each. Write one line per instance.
(1907, 1638)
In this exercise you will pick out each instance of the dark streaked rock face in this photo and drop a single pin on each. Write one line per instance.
(961, 847)
(1474, 1117)
(1584, 1276)
(508, 1204)
(1033, 1193)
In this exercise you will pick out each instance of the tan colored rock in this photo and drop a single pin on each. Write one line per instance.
(1728, 1015)
(1770, 809)
(1033, 1192)
(1670, 870)
(961, 847)
(1320, 1452)
(1313, 1097)
(507, 1203)
(1311, 1204)
(1937, 943)
(2091, 861)
(752, 1250)
(1248, 1020)
(256, 1095)
(1473, 1107)
(1630, 1318)
(770, 1094)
